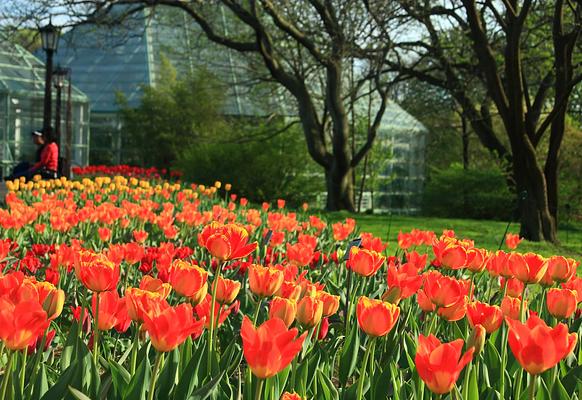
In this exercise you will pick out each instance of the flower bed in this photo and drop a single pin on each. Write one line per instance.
(121, 288)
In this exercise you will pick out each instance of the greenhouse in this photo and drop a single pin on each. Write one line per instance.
(22, 80)
(121, 60)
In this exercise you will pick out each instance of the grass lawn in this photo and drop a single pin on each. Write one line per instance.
(485, 233)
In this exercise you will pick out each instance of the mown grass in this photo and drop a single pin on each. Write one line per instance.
(485, 233)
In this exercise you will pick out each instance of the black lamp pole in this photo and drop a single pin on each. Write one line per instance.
(59, 81)
(50, 37)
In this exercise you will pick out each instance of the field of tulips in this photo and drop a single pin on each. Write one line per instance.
(119, 288)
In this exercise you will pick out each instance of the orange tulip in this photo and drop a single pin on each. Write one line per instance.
(152, 284)
(309, 311)
(490, 317)
(512, 240)
(282, 308)
(477, 259)
(189, 280)
(514, 286)
(330, 302)
(22, 323)
(226, 242)
(271, 347)
(405, 278)
(454, 312)
(498, 264)
(51, 298)
(365, 262)
(439, 364)
(226, 290)
(561, 269)
(104, 234)
(477, 338)
(442, 291)
(140, 236)
(376, 317)
(561, 303)
(96, 272)
(140, 302)
(171, 327)
(574, 284)
(112, 310)
(289, 290)
(220, 313)
(538, 347)
(264, 281)
(510, 307)
(528, 268)
(452, 256)
(291, 396)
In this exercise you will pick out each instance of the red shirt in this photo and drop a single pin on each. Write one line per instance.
(49, 157)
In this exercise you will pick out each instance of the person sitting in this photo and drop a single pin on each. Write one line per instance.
(47, 158)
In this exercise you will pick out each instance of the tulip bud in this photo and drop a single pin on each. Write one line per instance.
(284, 309)
(226, 290)
(309, 311)
(392, 295)
(53, 303)
(477, 338)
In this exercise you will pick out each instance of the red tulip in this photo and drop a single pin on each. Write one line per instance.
(490, 317)
(561, 303)
(538, 347)
(365, 262)
(271, 347)
(264, 281)
(226, 242)
(439, 364)
(171, 327)
(376, 317)
(96, 272)
(21, 323)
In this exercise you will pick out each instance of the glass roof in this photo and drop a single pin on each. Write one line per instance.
(22, 74)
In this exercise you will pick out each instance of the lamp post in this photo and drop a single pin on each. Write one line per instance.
(60, 74)
(49, 35)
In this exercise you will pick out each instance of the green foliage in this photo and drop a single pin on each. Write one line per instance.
(175, 114)
(261, 168)
(473, 193)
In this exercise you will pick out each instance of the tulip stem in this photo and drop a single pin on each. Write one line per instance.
(522, 304)
(348, 294)
(259, 392)
(212, 303)
(518, 384)
(532, 387)
(7, 375)
(503, 349)
(96, 332)
(157, 367)
(467, 379)
(371, 343)
(257, 311)
(134, 349)
(37, 359)
(23, 371)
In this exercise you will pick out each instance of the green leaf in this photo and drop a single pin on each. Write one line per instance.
(205, 391)
(572, 378)
(59, 389)
(78, 394)
(559, 392)
(349, 355)
(119, 376)
(189, 378)
(473, 386)
(41, 383)
(327, 387)
(140, 382)
(168, 376)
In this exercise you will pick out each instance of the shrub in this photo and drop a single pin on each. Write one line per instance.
(473, 193)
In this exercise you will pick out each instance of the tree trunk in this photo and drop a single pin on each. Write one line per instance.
(340, 188)
(465, 138)
(536, 220)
